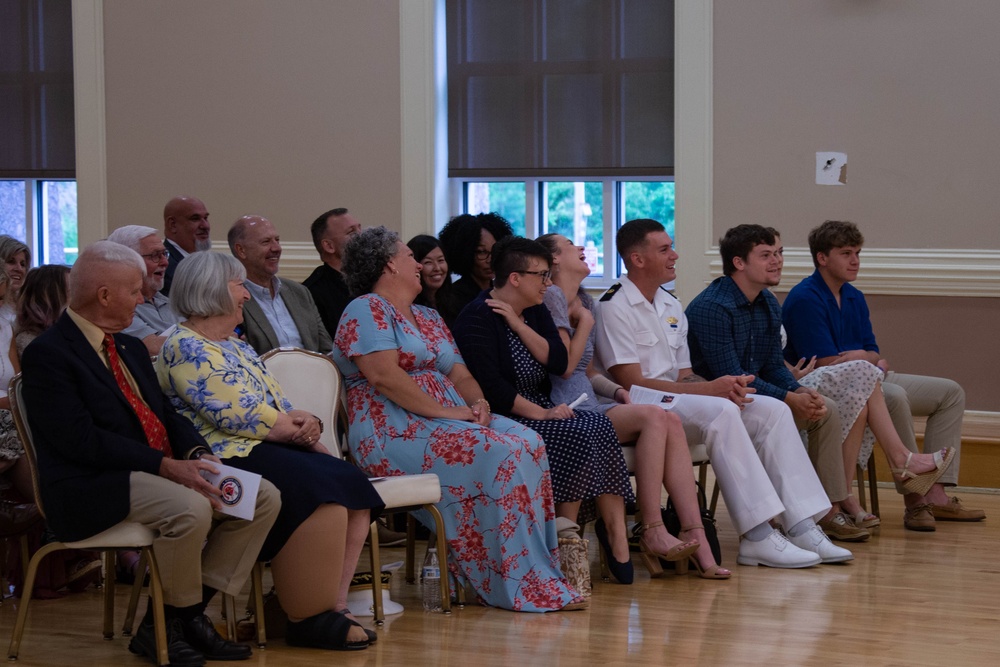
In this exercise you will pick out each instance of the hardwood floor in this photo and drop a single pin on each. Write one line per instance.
(907, 599)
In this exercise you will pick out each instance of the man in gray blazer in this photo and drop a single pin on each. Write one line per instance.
(280, 313)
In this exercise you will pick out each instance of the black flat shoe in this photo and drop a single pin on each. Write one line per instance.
(326, 630)
(202, 635)
(623, 573)
(181, 653)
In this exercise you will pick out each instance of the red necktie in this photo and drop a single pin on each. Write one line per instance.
(156, 434)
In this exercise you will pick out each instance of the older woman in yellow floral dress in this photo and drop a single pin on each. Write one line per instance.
(220, 384)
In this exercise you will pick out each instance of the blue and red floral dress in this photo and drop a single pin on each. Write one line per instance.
(496, 490)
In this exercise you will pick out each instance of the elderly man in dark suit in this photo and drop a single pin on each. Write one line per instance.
(186, 230)
(280, 313)
(111, 448)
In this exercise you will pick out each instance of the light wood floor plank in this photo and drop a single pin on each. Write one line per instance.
(907, 599)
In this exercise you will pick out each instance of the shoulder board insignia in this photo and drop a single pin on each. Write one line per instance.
(611, 292)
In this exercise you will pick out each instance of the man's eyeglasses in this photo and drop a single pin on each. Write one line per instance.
(156, 256)
(546, 275)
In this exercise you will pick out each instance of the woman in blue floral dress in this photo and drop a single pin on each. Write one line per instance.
(415, 408)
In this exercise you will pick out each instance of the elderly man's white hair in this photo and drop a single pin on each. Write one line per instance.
(132, 236)
(92, 264)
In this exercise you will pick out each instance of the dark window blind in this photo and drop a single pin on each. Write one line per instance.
(36, 89)
(560, 87)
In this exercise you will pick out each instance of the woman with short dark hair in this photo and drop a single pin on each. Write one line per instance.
(512, 345)
(415, 408)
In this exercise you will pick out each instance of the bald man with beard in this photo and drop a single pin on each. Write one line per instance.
(186, 230)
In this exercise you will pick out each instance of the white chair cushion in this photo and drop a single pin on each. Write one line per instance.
(408, 490)
(124, 534)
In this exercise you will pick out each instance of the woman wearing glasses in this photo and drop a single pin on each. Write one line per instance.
(415, 408)
(510, 344)
(467, 241)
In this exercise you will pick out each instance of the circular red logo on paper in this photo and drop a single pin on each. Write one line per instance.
(232, 491)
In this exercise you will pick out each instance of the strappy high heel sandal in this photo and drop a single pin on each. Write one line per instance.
(711, 572)
(921, 483)
(678, 553)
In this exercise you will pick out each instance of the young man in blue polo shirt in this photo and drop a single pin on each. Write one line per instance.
(827, 317)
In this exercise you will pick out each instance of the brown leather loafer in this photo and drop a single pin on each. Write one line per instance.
(841, 527)
(956, 511)
(919, 518)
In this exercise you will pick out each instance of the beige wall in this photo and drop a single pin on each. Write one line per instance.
(287, 109)
(280, 109)
(909, 91)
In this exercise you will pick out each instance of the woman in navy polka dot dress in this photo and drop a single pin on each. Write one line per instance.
(510, 344)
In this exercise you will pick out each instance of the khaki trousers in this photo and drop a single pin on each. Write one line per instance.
(196, 545)
(826, 451)
(941, 400)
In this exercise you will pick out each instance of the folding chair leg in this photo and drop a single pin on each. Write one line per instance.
(873, 484)
(257, 591)
(411, 548)
(230, 604)
(133, 600)
(860, 472)
(376, 565)
(29, 585)
(159, 618)
(442, 549)
(109, 593)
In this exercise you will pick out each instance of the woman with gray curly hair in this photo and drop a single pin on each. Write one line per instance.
(415, 408)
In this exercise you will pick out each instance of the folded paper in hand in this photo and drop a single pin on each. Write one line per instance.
(239, 490)
(646, 396)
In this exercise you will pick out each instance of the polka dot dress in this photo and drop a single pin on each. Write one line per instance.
(584, 454)
(849, 385)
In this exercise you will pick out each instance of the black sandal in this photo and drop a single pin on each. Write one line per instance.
(326, 630)
(372, 637)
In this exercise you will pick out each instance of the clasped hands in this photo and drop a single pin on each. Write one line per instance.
(735, 388)
(806, 404)
(309, 431)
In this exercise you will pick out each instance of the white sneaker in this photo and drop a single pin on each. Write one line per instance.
(776, 551)
(816, 541)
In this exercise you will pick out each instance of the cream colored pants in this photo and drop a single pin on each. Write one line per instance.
(196, 545)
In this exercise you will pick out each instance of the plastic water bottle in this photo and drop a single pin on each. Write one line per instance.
(430, 577)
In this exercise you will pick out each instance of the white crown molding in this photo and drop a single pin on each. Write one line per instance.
(903, 271)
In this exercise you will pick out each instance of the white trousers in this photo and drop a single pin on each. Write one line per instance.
(758, 458)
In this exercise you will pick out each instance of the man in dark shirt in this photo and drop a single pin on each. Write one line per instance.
(330, 234)
(735, 329)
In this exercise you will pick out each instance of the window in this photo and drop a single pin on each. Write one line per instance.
(560, 117)
(43, 215)
(586, 212)
(37, 149)
(560, 87)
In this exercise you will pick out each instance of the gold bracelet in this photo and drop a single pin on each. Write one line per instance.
(482, 400)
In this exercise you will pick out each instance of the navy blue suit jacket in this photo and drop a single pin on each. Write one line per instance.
(174, 258)
(87, 437)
